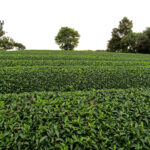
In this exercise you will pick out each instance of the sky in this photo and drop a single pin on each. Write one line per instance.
(35, 23)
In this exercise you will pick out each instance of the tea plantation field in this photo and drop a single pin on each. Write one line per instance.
(72, 100)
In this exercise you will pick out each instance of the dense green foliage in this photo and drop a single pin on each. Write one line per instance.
(29, 79)
(129, 43)
(125, 40)
(67, 38)
(143, 42)
(19, 46)
(74, 100)
(2, 32)
(69, 71)
(7, 43)
(124, 28)
(106, 120)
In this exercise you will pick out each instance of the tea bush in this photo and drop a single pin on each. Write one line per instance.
(29, 79)
(79, 63)
(38, 112)
(103, 119)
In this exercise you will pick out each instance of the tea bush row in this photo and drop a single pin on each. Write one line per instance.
(29, 79)
(79, 63)
(73, 55)
(102, 120)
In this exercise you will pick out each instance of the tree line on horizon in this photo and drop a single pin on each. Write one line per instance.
(123, 39)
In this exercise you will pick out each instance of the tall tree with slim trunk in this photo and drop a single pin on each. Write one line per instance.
(124, 28)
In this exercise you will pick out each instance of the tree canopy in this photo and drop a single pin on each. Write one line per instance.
(124, 28)
(67, 38)
(125, 40)
(7, 42)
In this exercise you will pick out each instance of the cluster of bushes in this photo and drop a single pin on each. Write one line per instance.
(125, 40)
(105, 119)
(7, 43)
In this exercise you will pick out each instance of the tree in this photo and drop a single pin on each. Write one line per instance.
(129, 42)
(1, 28)
(143, 43)
(19, 46)
(67, 38)
(7, 42)
(136, 42)
(124, 28)
(147, 32)
(114, 42)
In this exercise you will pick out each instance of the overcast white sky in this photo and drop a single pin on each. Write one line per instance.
(35, 23)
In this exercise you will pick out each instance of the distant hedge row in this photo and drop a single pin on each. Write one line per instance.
(29, 79)
(80, 63)
(72, 55)
(105, 119)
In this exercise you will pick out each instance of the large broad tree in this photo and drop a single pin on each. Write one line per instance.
(67, 38)
(129, 43)
(124, 28)
(137, 42)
